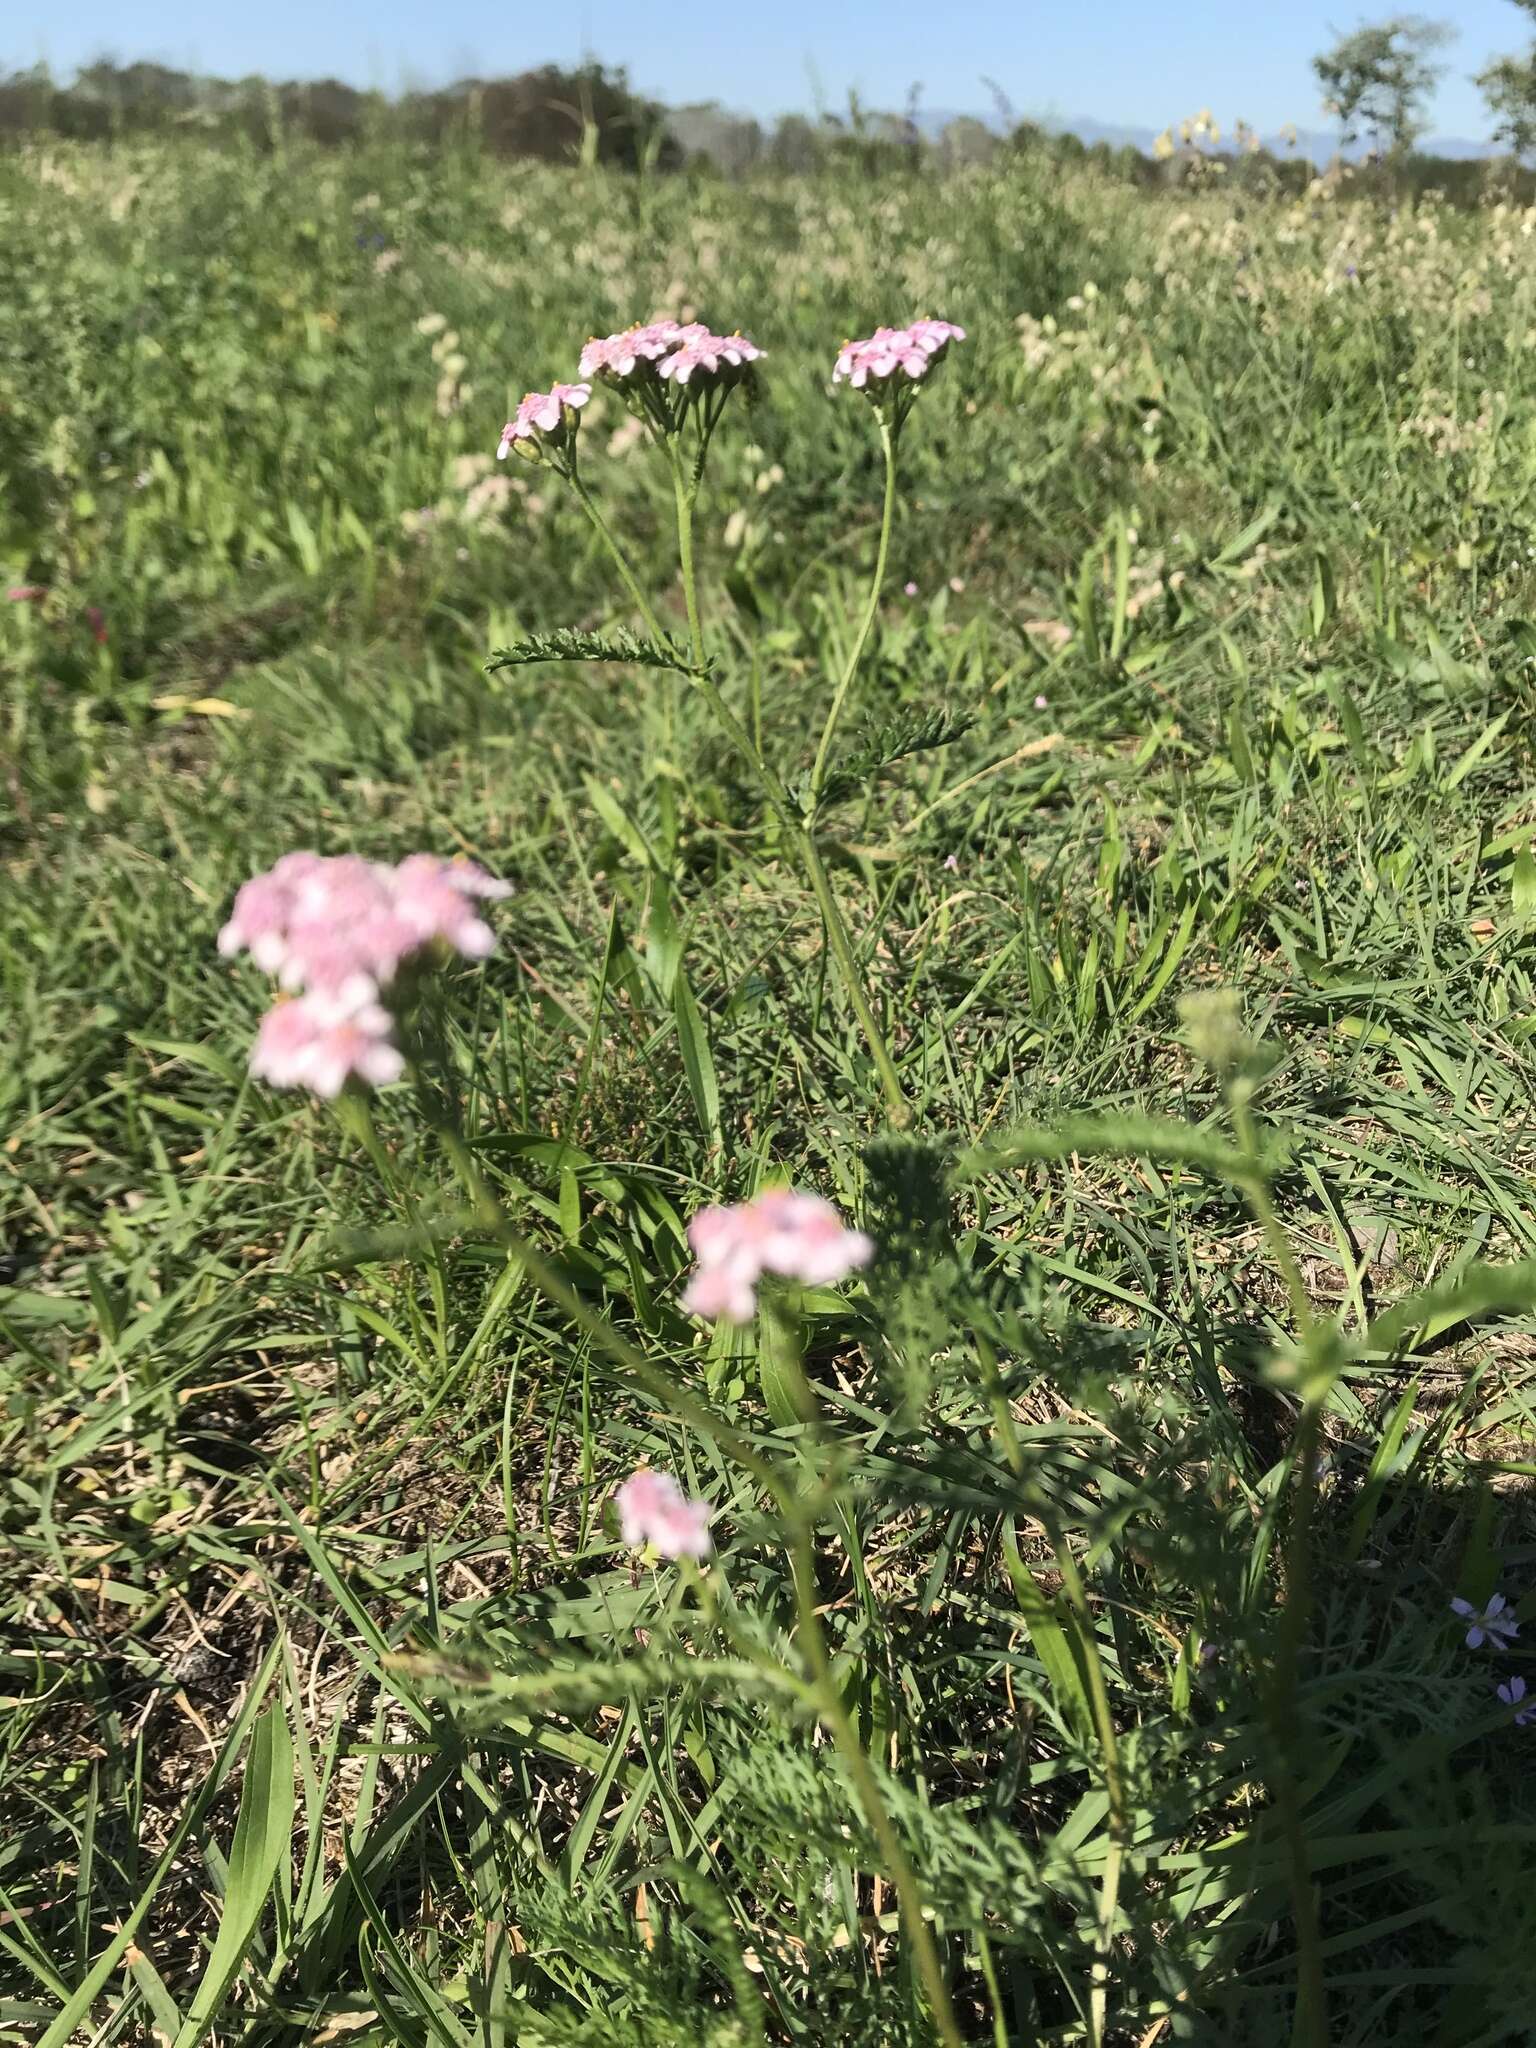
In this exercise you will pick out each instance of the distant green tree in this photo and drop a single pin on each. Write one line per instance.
(558, 115)
(1376, 79)
(1508, 84)
(796, 144)
(708, 134)
(1028, 138)
(26, 101)
(965, 140)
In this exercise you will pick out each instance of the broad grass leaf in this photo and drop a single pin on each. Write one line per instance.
(698, 1061)
(263, 1838)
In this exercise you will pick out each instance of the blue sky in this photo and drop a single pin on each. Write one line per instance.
(1116, 60)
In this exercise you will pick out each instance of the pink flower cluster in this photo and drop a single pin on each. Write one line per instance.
(783, 1231)
(676, 351)
(543, 412)
(342, 926)
(339, 929)
(618, 356)
(654, 1509)
(889, 349)
(318, 1042)
(698, 349)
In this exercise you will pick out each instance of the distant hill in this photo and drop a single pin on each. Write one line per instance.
(1319, 144)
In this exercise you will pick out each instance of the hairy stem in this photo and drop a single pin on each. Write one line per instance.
(897, 1106)
(872, 606)
(685, 490)
(638, 597)
(1114, 1789)
(1098, 1692)
(1309, 2026)
(840, 1727)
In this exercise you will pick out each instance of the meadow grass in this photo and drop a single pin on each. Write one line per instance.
(1193, 1377)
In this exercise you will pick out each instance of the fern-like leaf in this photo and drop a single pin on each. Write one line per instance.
(570, 643)
(881, 747)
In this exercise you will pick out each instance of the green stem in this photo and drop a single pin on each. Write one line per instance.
(616, 553)
(684, 491)
(994, 1989)
(840, 1727)
(1256, 1188)
(898, 1107)
(1114, 1788)
(866, 624)
(1098, 1692)
(1309, 2025)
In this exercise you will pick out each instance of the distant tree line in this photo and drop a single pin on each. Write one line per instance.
(1376, 81)
(550, 113)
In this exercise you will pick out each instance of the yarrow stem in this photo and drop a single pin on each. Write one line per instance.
(616, 554)
(684, 491)
(1093, 1669)
(897, 1106)
(888, 440)
(839, 1725)
(1283, 1694)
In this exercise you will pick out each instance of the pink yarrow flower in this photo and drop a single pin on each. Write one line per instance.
(344, 927)
(909, 350)
(320, 1043)
(654, 1509)
(619, 355)
(784, 1231)
(934, 336)
(697, 349)
(435, 899)
(542, 413)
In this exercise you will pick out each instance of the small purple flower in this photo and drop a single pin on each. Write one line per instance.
(1512, 1693)
(1493, 1625)
(910, 589)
